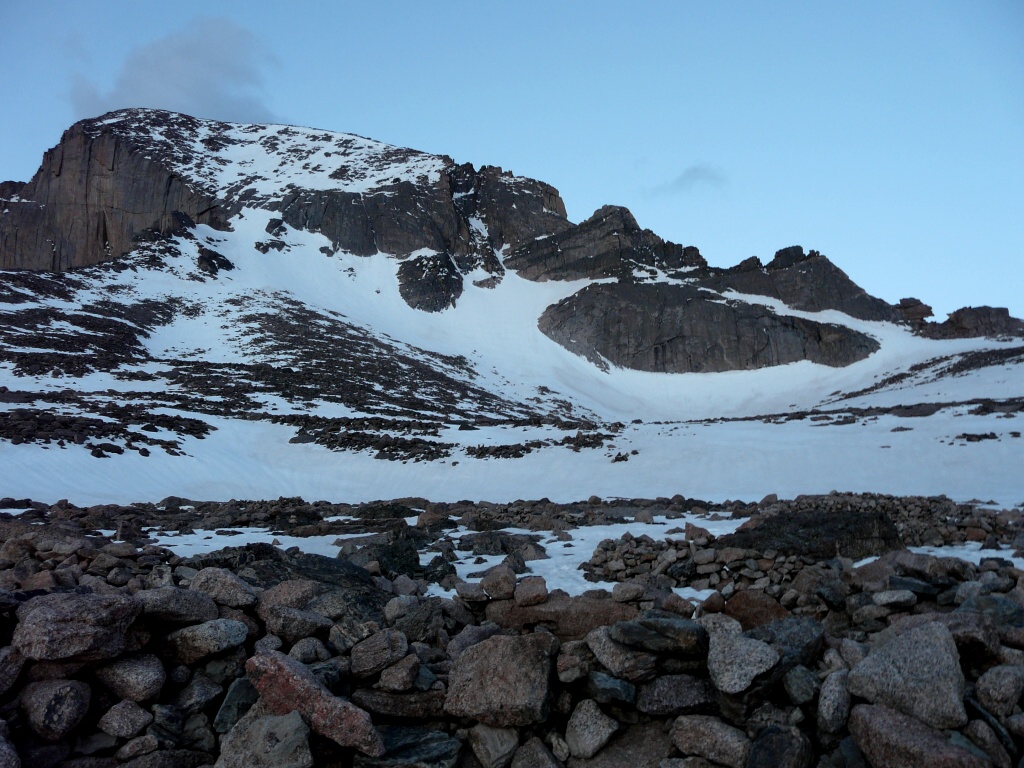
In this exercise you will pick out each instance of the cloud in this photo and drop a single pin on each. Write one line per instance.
(211, 68)
(698, 174)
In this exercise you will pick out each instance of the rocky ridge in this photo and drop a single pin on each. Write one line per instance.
(117, 652)
(119, 181)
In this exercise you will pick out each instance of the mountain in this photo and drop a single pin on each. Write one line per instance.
(211, 310)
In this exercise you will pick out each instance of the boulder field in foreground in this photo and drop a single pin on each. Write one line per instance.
(121, 653)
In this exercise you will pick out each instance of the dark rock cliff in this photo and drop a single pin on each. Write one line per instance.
(94, 193)
(608, 244)
(971, 322)
(112, 179)
(682, 329)
(138, 174)
(9, 189)
(808, 282)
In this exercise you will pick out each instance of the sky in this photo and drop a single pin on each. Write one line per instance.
(887, 135)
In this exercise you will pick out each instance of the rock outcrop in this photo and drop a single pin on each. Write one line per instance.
(682, 329)
(804, 281)
(138, 173)
(964, 323)
(608, 244)
(971, 322)
(95, 193)
(140, 176)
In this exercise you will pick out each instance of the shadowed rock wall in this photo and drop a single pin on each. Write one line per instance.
(91, 197)
(681, 329)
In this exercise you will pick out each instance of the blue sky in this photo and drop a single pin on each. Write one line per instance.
(888, 135)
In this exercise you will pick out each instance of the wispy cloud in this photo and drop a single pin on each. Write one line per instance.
(211, 68)
(693, 176)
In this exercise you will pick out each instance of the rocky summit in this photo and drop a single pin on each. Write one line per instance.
(584, 500)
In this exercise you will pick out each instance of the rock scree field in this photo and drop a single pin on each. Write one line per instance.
(585, 499)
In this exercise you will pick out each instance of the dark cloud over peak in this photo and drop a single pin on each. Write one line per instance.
(211, 68)
(698, 174)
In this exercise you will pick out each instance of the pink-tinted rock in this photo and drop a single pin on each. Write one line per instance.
(895, 740)
(569, 618)
(285, 685)
(503, 681)
(752, 608)
(65, 626)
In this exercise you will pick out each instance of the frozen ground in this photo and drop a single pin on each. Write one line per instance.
(560, 570)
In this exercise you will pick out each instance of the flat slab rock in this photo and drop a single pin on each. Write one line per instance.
(735, 661)
(412, 747)
(68, 626)
(503, 681)
(568, 618)
(917, 673)
(892, 739)
(637, 746)
(852, 533)
(285, 685)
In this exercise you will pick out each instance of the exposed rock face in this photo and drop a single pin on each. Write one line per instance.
(855, 533)
(9, 189)
(913, 311)
(608, 244)
(681, 329)
(81, 627)
(971, 322)
(516, 209)
(964, 323)
(430, 282)
(94, 193)
(134, 172)
(808, 282)
(141, 175)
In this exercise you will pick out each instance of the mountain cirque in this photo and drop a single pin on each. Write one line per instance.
(139, 174)
(208, 310)
(192, 291)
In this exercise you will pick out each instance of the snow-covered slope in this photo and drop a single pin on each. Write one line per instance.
(217, 363)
